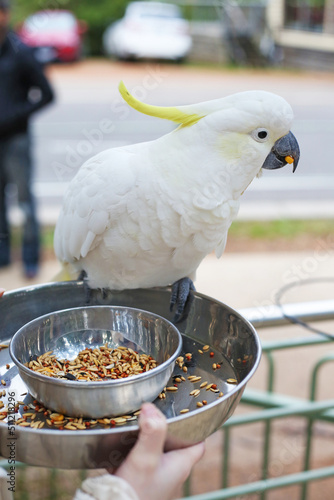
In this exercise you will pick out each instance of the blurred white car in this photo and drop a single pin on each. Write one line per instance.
(151, 30)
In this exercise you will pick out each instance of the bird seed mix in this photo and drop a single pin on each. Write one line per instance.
(93, 365)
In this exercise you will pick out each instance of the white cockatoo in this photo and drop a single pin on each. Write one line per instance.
(147, 214)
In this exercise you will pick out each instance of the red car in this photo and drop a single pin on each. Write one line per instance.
(56, 35)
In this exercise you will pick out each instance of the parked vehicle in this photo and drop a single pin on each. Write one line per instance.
(151, 30)
(56, 35)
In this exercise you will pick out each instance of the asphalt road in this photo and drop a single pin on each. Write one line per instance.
(89, 116)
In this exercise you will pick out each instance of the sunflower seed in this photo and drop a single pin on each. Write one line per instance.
(70, 427)
(57, 417)
(119, 420)
(81, 427)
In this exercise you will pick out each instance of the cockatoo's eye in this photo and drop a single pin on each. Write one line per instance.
(260, 134)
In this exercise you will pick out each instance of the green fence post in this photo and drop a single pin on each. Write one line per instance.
(267, 425)
(226, 458)
(309, 431)
(186, 487)
(21, 481)
(83, 475)
(53, 484)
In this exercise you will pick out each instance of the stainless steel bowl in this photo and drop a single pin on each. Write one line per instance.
(69, 331)
(207, 321)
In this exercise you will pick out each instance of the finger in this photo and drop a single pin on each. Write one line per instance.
(180, 462)
(192, 454)
(152, 435)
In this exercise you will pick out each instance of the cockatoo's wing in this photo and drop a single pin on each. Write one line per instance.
(92, 203)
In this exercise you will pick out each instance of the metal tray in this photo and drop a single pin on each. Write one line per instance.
(232, 339)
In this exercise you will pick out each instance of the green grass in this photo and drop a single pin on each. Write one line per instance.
(46, 237)
(253, 230)
(281, 229)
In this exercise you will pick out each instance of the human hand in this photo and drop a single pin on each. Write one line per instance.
(151, 472)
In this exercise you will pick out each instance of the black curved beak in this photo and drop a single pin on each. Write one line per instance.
(285, 150)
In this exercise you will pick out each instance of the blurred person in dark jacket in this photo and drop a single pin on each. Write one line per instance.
(24, 89)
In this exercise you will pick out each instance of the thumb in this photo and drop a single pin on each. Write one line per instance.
(145, 456)
(152, 435)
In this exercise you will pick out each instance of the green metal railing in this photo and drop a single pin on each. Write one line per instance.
(276, 406)
(271, 407)
(264, 486)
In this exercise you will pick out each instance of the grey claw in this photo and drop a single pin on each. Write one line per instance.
(180, 294)
(87, 290)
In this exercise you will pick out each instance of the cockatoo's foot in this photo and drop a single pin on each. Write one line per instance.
(180, 293)
(88, 291)
(82, 276)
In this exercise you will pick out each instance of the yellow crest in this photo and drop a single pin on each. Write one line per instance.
(168, 113)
